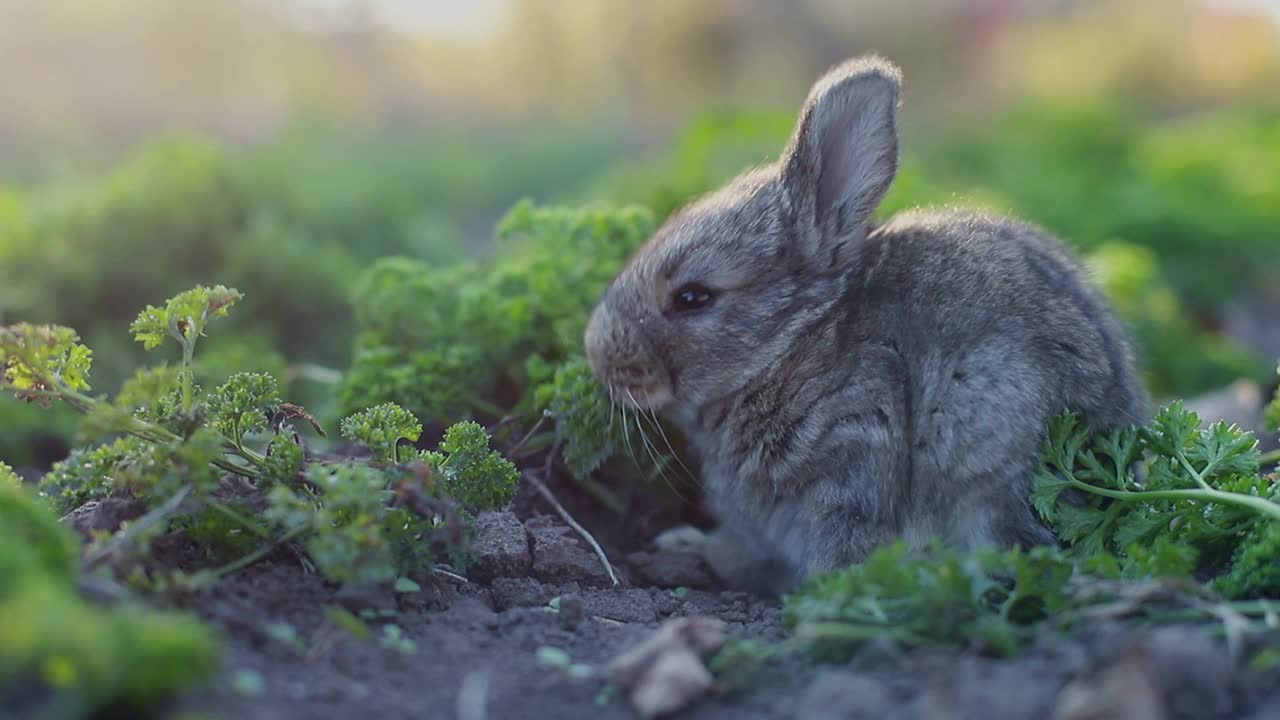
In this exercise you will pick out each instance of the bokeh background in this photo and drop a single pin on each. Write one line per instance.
(280, 146)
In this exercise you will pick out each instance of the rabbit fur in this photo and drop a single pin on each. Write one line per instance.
(844, 383)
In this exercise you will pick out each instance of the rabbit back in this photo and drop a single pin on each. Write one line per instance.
(920, 409)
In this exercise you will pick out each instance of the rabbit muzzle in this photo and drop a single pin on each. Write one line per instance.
(624, 361)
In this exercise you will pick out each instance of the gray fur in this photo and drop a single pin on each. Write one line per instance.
(852, 384)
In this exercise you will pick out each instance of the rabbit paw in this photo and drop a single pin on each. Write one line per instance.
(685, 539)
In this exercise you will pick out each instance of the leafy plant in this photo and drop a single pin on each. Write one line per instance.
(172, 445)
(1171, 484)
(381, 428)
(501, 339)
(61, 657)
(987, 601)
(989, 598)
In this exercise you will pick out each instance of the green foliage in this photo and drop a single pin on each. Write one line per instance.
(241, 405)
(33, 541)
(61, 657)
(88, 473)
(448, 342)
(1162, 497)
(381, 428)
(170, 444)
(343, 521)
(583, 416)
(470, 472)
(1255, 567)
(37, 358)
(499, 337)
(183, 317)
(991, 599)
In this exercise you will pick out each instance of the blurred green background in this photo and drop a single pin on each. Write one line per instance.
(282, 146)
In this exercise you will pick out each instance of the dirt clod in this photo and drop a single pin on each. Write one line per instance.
(501, 547)
(107, 515)
(671, 569)
(558, 555)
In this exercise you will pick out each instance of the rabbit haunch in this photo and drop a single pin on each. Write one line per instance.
(846, 384)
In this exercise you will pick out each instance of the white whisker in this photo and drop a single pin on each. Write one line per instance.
(652, 449)
(663, 433)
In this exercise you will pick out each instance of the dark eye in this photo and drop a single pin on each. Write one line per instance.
(692, 297)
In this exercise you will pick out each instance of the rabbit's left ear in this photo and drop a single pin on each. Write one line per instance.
(843, 155)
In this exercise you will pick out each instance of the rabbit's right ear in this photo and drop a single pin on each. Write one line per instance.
(843, 155)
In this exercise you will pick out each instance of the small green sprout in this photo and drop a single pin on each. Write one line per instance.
(381, 428)
(183, 316)
(471, 472)
(240, 405)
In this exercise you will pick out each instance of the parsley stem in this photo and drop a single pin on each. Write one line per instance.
(1199, 478)
(1260, 505)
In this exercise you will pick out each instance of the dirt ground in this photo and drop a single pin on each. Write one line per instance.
(477, 646)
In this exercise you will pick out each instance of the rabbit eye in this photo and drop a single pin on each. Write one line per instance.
(692, 297)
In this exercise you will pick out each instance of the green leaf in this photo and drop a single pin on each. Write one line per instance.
(183, 316)
(240, 406)
(1202, 527)
(472, 473)
(1172, 430)
(381, 428)
(1224, 450)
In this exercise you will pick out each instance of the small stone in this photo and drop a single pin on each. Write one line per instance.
(559, 557)
(572, 611)
(501, 547)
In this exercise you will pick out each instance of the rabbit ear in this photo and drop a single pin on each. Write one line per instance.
(844, 153)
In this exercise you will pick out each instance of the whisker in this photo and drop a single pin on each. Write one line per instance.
(653, 414)
(652, 449)
(626, 434)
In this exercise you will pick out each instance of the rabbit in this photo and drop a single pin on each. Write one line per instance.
(844, 383)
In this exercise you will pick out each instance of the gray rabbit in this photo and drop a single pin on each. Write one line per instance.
(843, 383)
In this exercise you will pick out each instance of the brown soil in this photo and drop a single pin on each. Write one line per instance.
(477, 644)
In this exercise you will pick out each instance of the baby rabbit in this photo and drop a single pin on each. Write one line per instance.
(845, 383)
